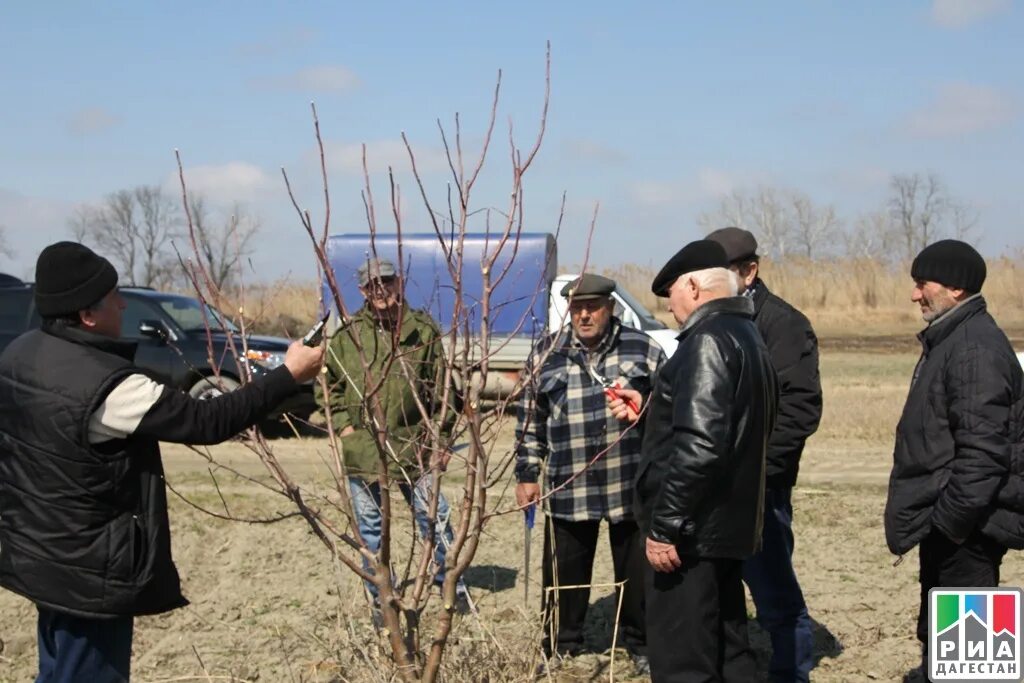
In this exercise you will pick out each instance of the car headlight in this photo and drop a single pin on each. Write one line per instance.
(265, 359)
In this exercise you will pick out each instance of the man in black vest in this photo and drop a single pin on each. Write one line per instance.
(793, 348)
(84, 532)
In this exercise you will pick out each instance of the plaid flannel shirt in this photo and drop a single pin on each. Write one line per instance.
(564, 421)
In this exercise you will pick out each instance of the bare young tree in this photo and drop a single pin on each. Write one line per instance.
(223, 243)
(135, 228)
(414, 638)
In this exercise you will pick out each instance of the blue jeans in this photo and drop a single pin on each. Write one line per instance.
(366, 505)
(73, 649)
(781, 610)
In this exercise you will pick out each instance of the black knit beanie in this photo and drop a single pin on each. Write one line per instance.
(951, 263)
(71, 277)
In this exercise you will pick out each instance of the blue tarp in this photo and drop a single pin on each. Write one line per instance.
(519, 304)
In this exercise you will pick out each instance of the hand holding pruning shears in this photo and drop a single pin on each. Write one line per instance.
(624, 403)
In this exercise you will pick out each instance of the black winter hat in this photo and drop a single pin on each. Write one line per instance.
(740, 244)
(951, 263)
(696, 255)
(71, 277)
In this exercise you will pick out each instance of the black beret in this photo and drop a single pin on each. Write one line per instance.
(694, 256)
(951, 263)
(739, 244)
(588, 286)
(71, 277)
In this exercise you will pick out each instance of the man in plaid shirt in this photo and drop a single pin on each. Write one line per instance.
(564, 421)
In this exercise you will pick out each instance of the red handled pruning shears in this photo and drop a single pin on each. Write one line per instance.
(610, 389)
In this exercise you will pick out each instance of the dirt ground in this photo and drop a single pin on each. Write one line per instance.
(269, 605)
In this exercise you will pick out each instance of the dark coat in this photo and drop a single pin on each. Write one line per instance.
(83, 529)
(959, 456)
(793, 348)
(701, 479)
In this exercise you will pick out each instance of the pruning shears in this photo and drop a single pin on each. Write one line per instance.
(610, 388)
(528, 515)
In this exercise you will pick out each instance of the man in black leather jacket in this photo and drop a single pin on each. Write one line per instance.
(956, 481)
(84, 532)
(793, 348)
(700, 486)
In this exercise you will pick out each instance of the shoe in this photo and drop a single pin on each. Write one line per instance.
(641, 665)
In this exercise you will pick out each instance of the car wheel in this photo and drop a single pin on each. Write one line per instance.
(209, 387)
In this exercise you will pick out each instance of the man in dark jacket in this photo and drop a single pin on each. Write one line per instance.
(700, 485)
(84, 532)
(793, 348)
(956, 482)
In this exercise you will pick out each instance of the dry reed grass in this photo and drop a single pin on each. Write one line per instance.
(855, 297)
(842, 297)
(283, 308)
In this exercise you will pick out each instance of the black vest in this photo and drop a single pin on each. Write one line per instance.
(83, 528)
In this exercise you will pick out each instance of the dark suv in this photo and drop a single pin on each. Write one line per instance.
(172, 341)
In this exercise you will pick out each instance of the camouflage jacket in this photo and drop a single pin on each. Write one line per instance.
(400, 366)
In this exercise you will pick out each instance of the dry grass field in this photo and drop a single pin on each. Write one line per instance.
(268, 604)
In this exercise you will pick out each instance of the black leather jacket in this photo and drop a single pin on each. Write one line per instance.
(702, 472)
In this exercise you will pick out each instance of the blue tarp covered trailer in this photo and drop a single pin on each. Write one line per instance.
(519, 303)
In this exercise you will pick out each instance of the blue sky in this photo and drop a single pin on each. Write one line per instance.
(657, 109)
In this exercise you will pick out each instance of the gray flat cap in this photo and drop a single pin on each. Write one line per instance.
(739, 244)
(589, 286)
(375, 269)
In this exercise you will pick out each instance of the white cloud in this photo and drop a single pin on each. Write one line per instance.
(961, 13)
(381, 154)
(235, 181)
(579, 149)
(326, 78)
(962, 108)
(92, 120)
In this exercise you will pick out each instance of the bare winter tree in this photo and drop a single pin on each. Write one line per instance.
(815, 228)
(767, 212)
(872, 236)
(135, 227)
(917, 205)
(223, 243)
(731, 211)
(413, 637)
(964, 221)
